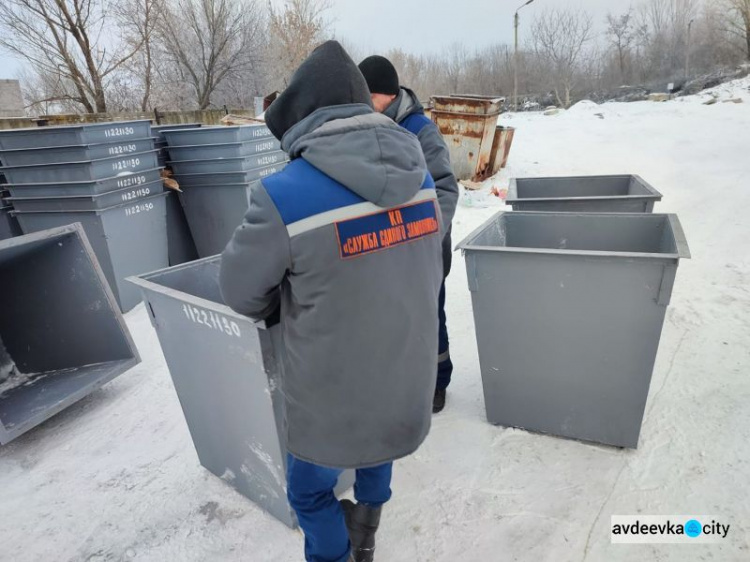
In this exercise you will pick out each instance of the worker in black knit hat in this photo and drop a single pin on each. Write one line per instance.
(401, 105)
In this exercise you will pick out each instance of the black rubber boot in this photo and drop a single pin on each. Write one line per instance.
(362, 523)
(438, 401)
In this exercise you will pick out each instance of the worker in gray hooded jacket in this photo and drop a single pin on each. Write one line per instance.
(346, 241)
(401, 105)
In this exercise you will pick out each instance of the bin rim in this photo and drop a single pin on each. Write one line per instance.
(47, 129)
(85, 145)
(683, 251)
(184, 188)
(90, 182)
(90, 196)
(81, 162)
(144, 282)
(93, 211)
(225, 159)
(188, 130)
(77, 228)
(653, 194)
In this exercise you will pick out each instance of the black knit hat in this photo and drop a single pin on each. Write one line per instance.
(327, 77)
(381, 75)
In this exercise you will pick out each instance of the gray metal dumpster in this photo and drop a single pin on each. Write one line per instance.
(568, 310)
(229, 178)
(85, 171)
(46, 137)
(225, 369)
(468, 125)
(79, 153)
(86, 188)
(602, 194)
(227, 150)
(217, 135)
(128, 239)
(213, 213)
(61, 334)
(226, 165)
(87, 202)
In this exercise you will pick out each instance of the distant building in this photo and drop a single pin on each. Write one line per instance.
(11, 100)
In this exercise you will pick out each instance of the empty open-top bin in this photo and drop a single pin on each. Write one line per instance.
(603, 194)
(225, 368)
(61, 333)
(568, 311)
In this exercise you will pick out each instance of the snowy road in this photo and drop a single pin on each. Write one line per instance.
(116, 478)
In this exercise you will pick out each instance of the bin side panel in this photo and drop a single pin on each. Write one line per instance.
(216, 364)
(180, 240)
(567, 344)
(55, 312)
(213, 214)
(137, 242)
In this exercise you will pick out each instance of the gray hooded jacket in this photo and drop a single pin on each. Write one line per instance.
(336, 239)
(438, 161)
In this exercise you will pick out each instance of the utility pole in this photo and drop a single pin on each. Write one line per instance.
(515, 57)
(687, 49)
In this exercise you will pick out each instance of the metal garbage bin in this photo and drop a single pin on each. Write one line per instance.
(225, 369)
(226, 165)
(214, 212)
(86, 188)
(468, 125)
(82, 171)
(61, 333)
(568, 310)
(92, 133)
(128, 239)
(596, 194)
(501, 148)
(217, 135)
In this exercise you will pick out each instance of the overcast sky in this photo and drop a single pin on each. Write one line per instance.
(424, 26)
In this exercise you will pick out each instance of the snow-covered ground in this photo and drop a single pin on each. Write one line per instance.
(116, 478)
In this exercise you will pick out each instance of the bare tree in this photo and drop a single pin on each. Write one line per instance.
(738, 22)
(621, 36)
(140, 21)
(70, 42)
(559, 38)
(295, 30)
(204, 42)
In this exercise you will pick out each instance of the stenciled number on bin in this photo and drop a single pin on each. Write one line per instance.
(211, 320)
(131, 181)
(125, 164)
(264, 146)
(142, 208)
(122, 149)
(136, 194)
(119, 132)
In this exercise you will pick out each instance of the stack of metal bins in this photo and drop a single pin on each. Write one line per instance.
(180, 240)
(215, 167)
(105, 176)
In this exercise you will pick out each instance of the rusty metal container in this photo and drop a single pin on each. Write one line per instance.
(468, 125)
(501, 148)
